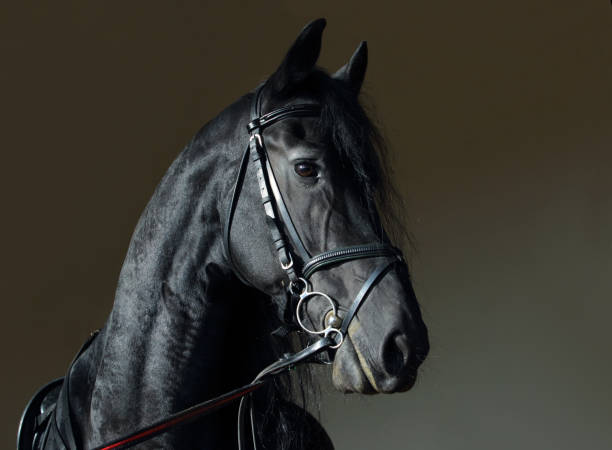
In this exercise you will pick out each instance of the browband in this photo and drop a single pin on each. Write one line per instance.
(301, 110)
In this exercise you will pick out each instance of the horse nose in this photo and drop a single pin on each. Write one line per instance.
(396, 354)
(398, 363)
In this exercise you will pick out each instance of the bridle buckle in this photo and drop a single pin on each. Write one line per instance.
(258, 137)
(288, 265)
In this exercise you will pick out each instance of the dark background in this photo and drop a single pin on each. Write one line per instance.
(499, 115)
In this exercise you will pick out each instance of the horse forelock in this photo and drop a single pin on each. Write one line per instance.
(347, 123)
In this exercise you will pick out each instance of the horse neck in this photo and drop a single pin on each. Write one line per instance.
(165, 344)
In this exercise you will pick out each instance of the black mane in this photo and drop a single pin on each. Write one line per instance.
(361, 149)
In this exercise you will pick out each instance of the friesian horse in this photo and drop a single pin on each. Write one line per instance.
(203, 302)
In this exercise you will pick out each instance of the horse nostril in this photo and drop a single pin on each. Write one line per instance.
(396, 354)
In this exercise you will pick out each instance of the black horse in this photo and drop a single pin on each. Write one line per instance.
(202, 303)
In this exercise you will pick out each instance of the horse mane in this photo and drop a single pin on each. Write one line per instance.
(347, 125)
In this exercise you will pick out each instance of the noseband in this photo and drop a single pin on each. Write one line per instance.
(298, 265)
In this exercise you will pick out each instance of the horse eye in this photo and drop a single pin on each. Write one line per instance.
(305, 169)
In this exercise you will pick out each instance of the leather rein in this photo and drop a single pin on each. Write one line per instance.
(299, 290)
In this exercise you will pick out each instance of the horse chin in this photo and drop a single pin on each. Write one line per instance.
(348, 375)
(351, 374)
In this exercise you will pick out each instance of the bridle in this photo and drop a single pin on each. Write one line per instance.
(282, 228)
(298, 265)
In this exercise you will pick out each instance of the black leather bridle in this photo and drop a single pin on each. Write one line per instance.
(278, 219)
(298, 265)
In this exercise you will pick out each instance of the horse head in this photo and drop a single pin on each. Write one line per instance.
(327, 196)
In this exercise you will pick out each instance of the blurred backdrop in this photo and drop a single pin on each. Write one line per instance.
(499, 116)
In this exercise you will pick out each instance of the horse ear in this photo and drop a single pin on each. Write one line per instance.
(354, 71)
(301, 57)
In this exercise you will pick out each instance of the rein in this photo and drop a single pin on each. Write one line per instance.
(282, 230)
(201, 409)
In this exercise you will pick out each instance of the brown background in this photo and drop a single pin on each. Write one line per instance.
(500, 118)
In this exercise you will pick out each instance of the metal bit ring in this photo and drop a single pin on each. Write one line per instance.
(306, 296)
